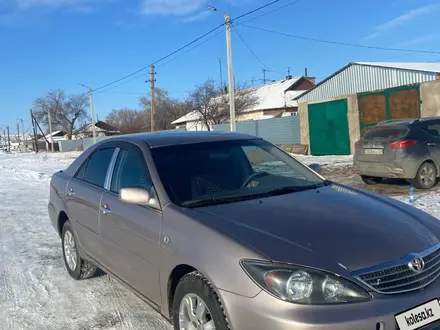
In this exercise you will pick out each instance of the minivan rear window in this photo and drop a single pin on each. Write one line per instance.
(386, 133)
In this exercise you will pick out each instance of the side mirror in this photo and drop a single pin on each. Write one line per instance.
(137, 196)
(315, 167)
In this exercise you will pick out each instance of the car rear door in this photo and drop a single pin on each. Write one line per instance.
(84, 194)
(130, 233)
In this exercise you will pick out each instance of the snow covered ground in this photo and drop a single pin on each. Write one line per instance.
(36, 291)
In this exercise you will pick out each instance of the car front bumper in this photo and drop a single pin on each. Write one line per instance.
(265, 312)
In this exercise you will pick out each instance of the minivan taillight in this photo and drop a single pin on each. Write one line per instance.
(403, 144)
(357, 145)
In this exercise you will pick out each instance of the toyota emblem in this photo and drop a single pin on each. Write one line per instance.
(417, 265)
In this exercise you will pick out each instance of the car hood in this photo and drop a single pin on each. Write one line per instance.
(330, 226)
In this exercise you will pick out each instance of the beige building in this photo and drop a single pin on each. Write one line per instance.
(337, 111)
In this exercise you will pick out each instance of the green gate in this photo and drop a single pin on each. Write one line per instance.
(328, 128)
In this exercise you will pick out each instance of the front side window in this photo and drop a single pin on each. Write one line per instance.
(227, 171)
(95, 169)
(130, 172)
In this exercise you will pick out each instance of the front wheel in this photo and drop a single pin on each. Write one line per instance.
(77, 267)
(426, 176)
(370, 180)
(196, 306)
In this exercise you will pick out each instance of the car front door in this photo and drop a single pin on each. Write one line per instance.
(84, 194)
(130, 233)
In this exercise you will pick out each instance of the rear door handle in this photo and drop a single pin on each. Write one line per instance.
(432, 144)
(71, 192)
(105, 209)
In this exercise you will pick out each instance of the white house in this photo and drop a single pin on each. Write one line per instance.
(273, 100)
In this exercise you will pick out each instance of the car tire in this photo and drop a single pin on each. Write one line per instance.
(195, 290)
(78, 268)
(426, 177)
(371, 180)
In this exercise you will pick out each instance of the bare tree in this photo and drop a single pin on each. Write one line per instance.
(168, 109)
(212, 105)
(65, 111)
(129, 121)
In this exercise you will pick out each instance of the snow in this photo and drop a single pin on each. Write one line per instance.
(332, 161)
(35, 289)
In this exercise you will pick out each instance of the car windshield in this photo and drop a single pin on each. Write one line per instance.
(386, 132)
(228, 171)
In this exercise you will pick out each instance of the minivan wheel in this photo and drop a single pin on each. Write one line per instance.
(371, 180)
(426, 176)
(77, 267)
(196, 306)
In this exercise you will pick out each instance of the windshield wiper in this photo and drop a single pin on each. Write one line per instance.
(293, 189)
(212, 201)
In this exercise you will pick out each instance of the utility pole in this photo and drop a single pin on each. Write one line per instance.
(35, 132)
(264, 76)
(221, 74)
(9, 139)
(49, 117)
(228, 24)
(92, 111)
(18, 134)
(153, 98)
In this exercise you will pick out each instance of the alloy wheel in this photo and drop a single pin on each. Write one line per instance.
(427, 175)
(194, 314)
(70, 250)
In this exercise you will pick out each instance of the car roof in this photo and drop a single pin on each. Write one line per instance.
(170, 138)
(407, 121)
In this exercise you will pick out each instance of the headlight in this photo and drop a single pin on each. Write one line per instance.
(304, 285)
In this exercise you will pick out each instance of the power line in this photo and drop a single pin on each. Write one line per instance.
(340, 43)
(257, 9)
(270, 12)
(249, 48)
(185, 46)
(192, 48)
(160, 60)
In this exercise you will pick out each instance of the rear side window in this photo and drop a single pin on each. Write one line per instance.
(95, 170)
(433, 130)
(386, 133)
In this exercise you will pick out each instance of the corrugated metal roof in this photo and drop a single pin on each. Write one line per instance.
(369, 76)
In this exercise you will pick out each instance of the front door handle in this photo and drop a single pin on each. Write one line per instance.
(105, 209)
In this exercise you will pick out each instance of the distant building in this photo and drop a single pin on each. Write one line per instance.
(101, 128)
(273, 100)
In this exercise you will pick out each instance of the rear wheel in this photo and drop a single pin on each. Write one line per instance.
(371, 180)
(426, 176)
(77, 267)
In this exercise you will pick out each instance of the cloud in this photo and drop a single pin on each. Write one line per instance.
(402, 20)
(170, 7)
(415, 41)
(197, 17)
